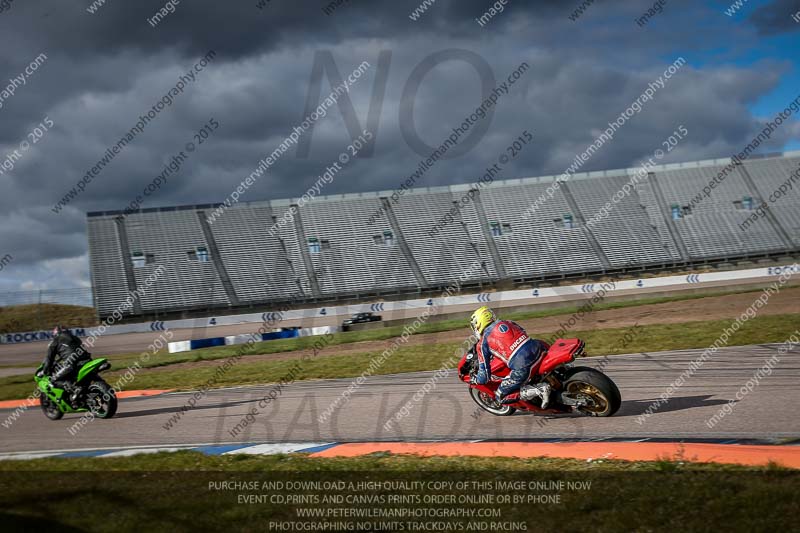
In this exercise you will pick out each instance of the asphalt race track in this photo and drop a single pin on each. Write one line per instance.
(447, 412)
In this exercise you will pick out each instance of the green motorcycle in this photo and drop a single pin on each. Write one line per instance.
(96, 396)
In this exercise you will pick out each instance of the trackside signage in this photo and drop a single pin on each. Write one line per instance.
(33, 336)
(418, 306)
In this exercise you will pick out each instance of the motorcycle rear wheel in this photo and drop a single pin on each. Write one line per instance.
(101, 400)
(592, 385)
(50, 408)
(489, 404)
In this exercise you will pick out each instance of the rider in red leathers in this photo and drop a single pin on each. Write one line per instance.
(507, 341)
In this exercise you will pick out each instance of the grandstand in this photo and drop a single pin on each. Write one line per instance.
(329, 251)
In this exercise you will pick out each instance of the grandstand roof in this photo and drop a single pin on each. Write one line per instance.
(461, 187)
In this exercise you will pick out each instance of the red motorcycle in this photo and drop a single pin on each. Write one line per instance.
(574, 388)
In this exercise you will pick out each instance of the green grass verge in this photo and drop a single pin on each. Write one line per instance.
(651, 338)
(434, 326)
(190, 461)
(183, 492)
(34, 317)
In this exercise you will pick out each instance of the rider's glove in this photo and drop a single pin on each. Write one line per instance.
(40, 374)
(481, 377)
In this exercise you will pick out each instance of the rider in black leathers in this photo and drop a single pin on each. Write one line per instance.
(65, 356)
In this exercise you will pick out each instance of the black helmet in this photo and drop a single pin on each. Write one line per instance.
(58, 330)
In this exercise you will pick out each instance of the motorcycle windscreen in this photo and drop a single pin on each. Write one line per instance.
(498, 368)
(465, 366)
(561, 352)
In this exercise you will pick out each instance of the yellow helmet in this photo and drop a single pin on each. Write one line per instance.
(482, 317)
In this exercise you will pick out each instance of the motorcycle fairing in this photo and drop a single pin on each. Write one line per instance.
(562, 351)
(90, 367)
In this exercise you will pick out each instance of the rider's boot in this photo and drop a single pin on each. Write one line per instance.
(76, 392)
(71, 391)
(537, 390)
(60, 385)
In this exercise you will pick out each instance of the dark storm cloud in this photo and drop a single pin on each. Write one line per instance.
(776, 17)
(239, 28)
(105, 70)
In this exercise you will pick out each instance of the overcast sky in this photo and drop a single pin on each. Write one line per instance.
(105, 69)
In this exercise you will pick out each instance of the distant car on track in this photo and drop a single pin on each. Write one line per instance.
(361, 318)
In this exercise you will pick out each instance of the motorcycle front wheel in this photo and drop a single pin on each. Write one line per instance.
(49, 408)
(488, 403)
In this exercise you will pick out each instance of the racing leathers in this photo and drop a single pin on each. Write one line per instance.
(65, 355)
(507, 341)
